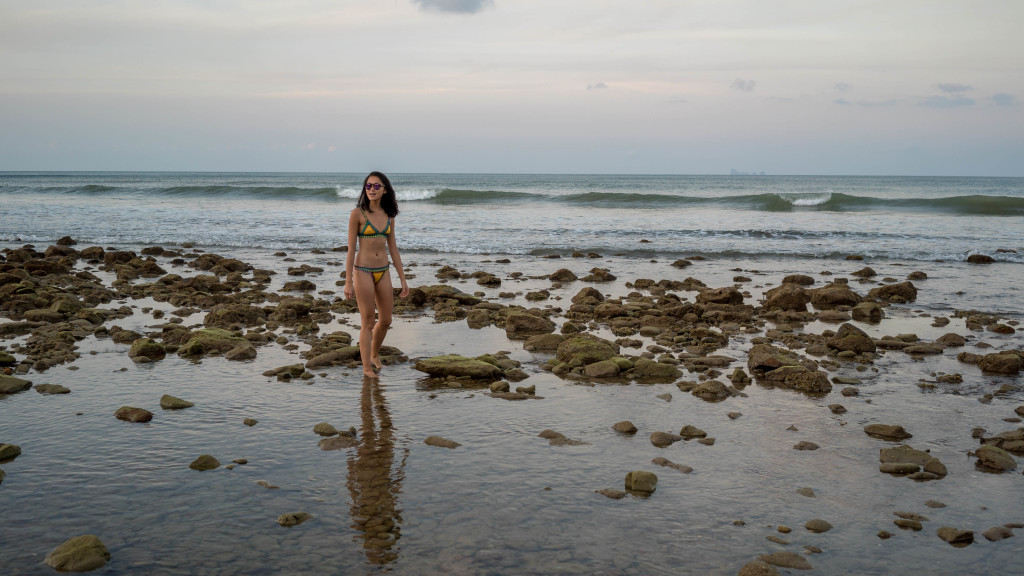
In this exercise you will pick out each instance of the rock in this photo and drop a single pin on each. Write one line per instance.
(12, 385)
(710, 390)
(934, 504)
(625, 427)
(902, 292)
(336, 357)
(132, 414)
(833, 295)
(806, 491)
(520, 325)
(206, 340)
(79, 554)
(168, 402)
(758, 568)
(647, 370)
(837, 408)
(52, 389)
(663, 439)
(441, 442)
(325, 429)
(204, 463)
(1011, 441)
(908, 524)
(458, 366)
(613, 494)
(867, 312)
(788, 296)
(690, 432)
(339, 442)
(853, 339)
(786, 560)
(956, 537)
(602, 369)
(994, 458)
(818, 525)
(898, 468)
(805, 445)
(9, 452)
(997, 533)
(584, 349)
(563, 276)
(543, 342)
(999, 363)
(726, 295)
(952, 340)
(293, 519)
(668, 464)
(641, 481)
(904, 453)
(887, 432)
(980, 259)
(250, 421)
(266, 485)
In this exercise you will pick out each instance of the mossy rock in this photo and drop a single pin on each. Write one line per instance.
(79, 554)
(459, 367)
(583, 349)
(207, 340)
(648, 370)
(148, 348)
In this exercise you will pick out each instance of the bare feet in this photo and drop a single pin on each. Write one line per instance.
(370, 375)
(376, 365)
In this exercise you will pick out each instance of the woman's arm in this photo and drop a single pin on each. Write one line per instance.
(350, 258)
(397, 259)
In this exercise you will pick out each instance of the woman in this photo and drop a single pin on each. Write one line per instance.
(367, 277)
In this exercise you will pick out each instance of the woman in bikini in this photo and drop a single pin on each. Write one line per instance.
(367, 277)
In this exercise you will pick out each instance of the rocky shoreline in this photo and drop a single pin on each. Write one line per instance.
(709, 342)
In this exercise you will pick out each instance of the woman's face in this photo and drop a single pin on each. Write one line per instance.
(374, 189)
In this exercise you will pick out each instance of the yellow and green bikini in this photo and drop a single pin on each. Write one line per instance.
(378, 272)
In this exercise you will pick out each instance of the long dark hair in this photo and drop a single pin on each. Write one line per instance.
(389, 201)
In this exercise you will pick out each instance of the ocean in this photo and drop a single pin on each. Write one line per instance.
(801, 217)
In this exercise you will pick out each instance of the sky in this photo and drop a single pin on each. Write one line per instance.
(907, 87)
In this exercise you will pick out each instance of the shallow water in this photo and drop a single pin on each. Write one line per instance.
(506, 501)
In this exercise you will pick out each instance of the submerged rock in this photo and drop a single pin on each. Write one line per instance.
(441, 442)
(887, 432)
(132, 414)
(168, 402)
(79, 554)
(12, 385)
(641, 481)
(293, 519)
(204, 462)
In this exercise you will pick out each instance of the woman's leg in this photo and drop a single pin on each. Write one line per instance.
(385, 302)
(366, 299)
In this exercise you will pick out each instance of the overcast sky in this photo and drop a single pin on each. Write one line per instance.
(916, 87)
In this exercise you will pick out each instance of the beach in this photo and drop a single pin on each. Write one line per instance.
(536, 482)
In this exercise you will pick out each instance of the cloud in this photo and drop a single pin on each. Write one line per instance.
(457, 6)
(743, 85)
(1004, 99)
(598, 86)
(866, 103)
(946, 102)
(953, 87)
(843, 87)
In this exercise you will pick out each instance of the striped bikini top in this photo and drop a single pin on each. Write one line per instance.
(369, 226)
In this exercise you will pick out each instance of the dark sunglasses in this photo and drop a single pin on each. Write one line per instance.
(375, 186)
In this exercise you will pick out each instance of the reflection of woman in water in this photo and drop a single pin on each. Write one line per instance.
(373, 489)
(367, 273)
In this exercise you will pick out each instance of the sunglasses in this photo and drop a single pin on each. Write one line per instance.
(375, 186)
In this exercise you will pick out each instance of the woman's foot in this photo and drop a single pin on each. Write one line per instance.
(370, 375)
(376, 365)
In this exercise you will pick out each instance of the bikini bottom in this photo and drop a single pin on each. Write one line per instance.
(376, 273)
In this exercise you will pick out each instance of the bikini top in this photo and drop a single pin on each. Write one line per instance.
(376, 233)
